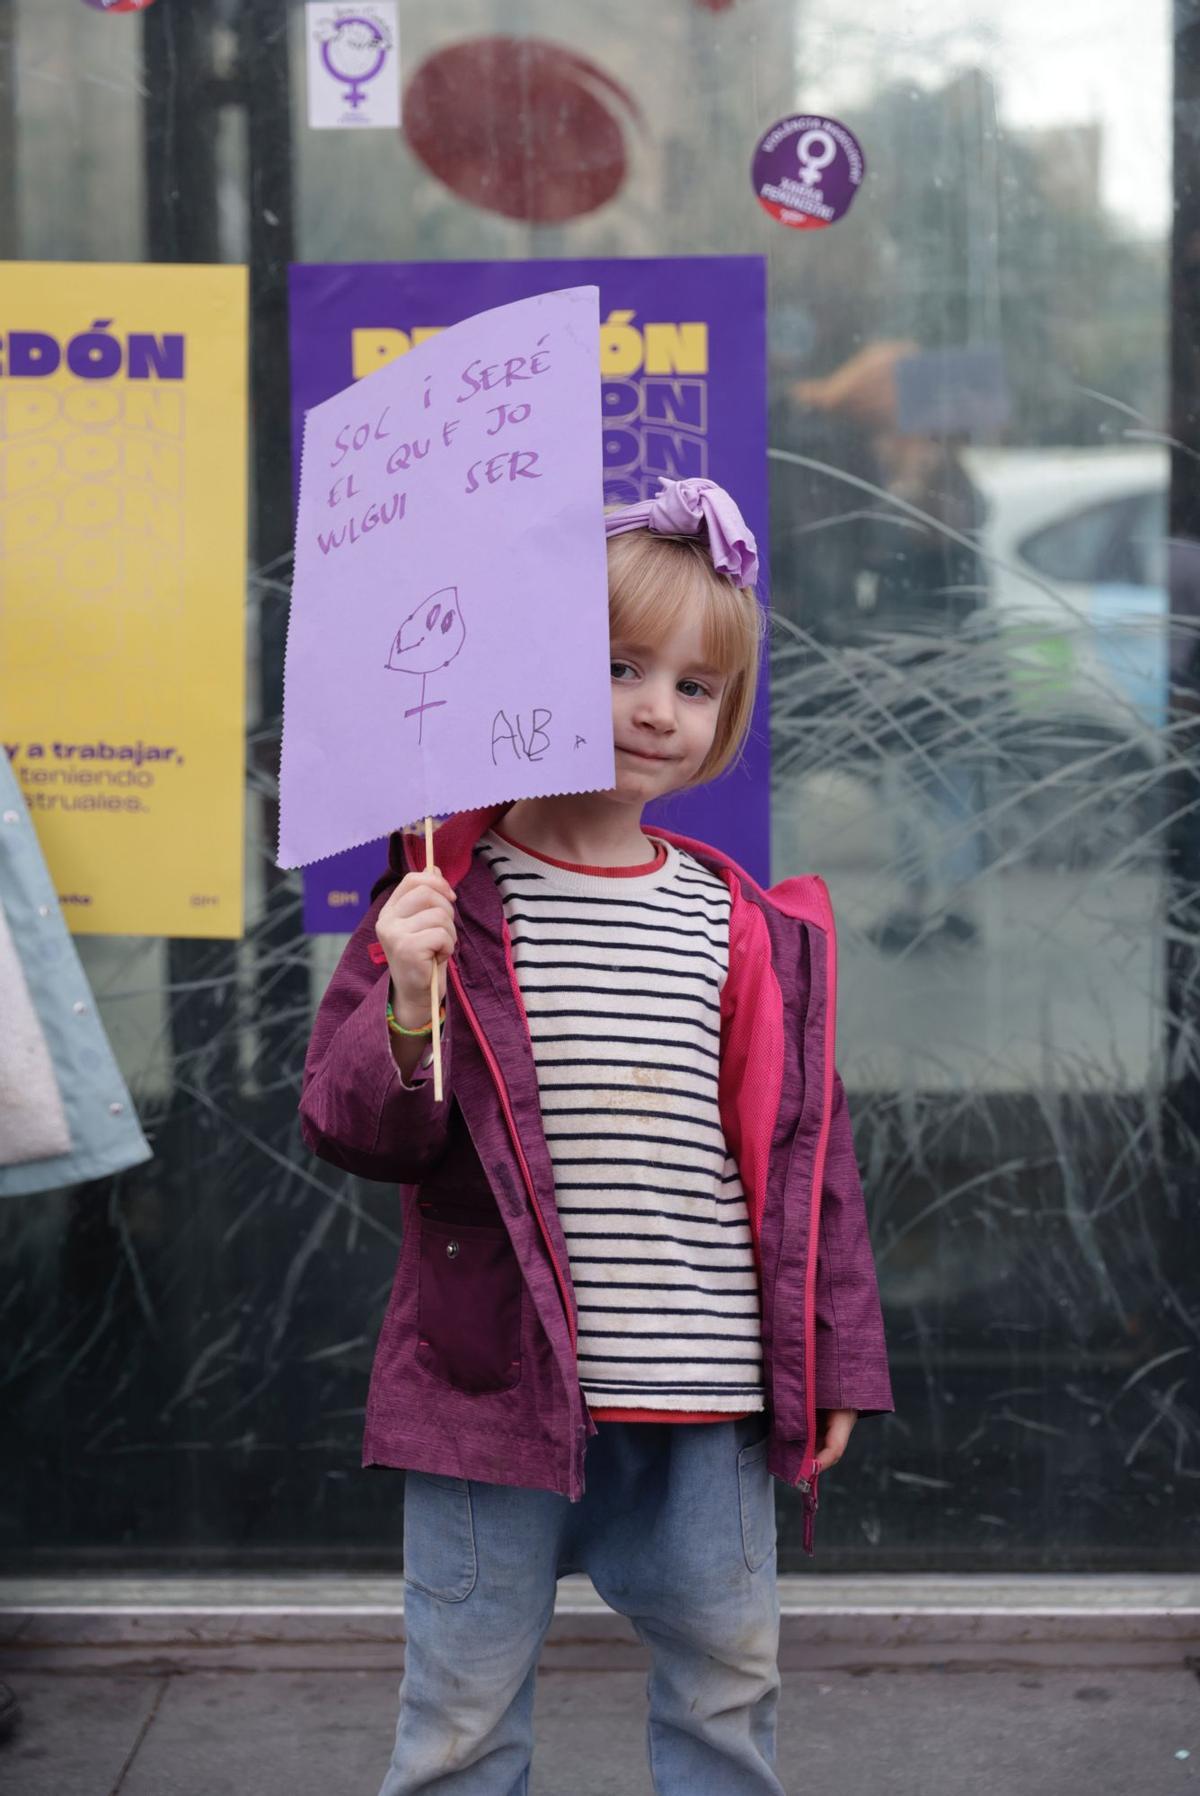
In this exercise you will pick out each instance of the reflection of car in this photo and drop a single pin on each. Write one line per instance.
(1075, 541)
(1075, 546)
(1055, 687)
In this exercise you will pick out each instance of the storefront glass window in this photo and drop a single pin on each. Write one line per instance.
(984, 420)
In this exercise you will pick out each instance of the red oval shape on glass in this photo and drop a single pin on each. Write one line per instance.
(520, 127)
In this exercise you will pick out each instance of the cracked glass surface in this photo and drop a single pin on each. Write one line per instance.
(985, 604)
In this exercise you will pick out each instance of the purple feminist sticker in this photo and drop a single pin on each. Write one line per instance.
(354, 49)
(807, 170)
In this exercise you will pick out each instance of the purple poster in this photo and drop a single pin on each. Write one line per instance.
(683, 389)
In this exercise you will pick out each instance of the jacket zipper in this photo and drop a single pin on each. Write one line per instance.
(809, 1485)
(810, 1282)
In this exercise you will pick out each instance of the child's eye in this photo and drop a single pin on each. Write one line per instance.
(696, 689)
(619, 668)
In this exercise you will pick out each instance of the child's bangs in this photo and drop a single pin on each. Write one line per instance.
(654, 583)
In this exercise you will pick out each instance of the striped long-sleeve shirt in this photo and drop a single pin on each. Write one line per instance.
(621, 975)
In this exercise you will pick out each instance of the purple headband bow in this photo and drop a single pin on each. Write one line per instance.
(688, 507)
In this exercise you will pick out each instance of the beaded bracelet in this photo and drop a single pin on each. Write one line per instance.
(412, 1034)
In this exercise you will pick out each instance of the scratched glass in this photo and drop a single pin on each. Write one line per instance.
(985, 562)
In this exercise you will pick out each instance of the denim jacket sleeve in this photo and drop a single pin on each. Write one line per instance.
(355, 1110)
(851, 1352)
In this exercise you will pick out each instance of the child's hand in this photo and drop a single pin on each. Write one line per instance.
(417, 932)
(833, 1433)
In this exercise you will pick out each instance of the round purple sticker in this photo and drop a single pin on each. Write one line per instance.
(807, 170)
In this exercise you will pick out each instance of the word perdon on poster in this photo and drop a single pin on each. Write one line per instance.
(122, 586)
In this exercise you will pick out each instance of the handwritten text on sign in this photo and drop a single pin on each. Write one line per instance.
(448, 644)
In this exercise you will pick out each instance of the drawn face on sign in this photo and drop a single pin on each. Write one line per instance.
(429, 639)
(431, 635)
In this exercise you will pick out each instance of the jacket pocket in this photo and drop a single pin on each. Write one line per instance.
(469, 1302)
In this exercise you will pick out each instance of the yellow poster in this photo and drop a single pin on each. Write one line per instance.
(122, 585)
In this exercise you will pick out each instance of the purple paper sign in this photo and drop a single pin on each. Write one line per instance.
(683, 392)
(807, 170)
(448, 636)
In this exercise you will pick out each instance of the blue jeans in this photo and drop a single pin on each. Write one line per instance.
(676, 1529)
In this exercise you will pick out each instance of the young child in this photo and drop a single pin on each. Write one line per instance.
(635, 1280)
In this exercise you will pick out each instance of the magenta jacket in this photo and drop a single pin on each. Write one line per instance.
(475, 1374)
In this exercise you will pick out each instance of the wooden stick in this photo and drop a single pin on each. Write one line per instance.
(434, 999)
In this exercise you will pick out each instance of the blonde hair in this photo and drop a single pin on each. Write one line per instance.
(653, 582)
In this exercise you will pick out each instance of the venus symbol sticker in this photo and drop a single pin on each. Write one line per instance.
(807, 170)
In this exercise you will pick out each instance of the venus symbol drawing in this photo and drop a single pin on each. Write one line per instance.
(428, 640)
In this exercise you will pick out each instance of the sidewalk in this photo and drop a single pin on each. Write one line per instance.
(892, 1687)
